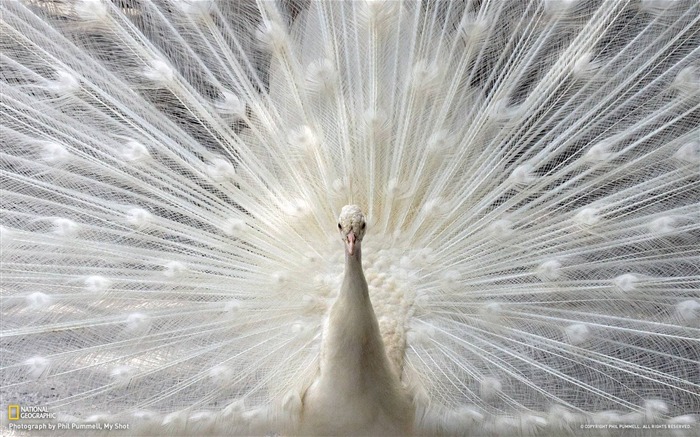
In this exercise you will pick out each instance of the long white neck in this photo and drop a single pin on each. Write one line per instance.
(352, 342)
(357, 392)
(354, 282)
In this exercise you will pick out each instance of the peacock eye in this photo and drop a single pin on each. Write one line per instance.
(340, 227)
(363, 225)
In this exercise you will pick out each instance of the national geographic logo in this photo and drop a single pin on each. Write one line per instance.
(16, 412)
(13, 412)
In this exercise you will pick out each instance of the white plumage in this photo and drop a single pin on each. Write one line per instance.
(529, 174)
(357, 390)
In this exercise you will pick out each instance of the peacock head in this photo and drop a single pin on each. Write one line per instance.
(352, 226)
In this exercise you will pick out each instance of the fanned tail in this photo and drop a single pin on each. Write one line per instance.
(171, 173)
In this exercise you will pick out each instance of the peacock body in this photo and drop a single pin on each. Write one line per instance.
(172, 174)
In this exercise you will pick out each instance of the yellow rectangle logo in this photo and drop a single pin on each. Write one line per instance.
(13, 412)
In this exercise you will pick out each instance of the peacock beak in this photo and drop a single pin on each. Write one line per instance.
(351, 242)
